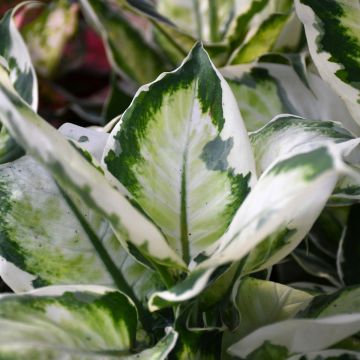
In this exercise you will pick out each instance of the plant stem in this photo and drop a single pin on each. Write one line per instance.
(213, 21)
(198, 19)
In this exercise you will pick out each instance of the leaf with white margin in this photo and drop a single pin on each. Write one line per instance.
(15, 52)
(75, 175)
(183, 153)
(300, 335)
(289, 134)
(93, 141)
(265, 90)
(341, 302)
(129, 53)
(43, 240)
(263, 302)
(270, 215)
(269, 224)
(15, 56)
(72, 322)
(333, 38)
(205, 21)
(160, 351)
(47, 35)
(260, 25)
(262, 42)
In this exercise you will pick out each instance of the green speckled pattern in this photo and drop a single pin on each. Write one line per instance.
(76, 324)
(41, 235)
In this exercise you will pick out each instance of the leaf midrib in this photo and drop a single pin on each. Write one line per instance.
(184, 226)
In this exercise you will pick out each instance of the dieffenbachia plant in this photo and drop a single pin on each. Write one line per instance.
(233, 32)
(14, 55)
(333, 39)
(102, 235)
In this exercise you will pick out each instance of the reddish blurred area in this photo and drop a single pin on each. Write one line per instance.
(80, 80)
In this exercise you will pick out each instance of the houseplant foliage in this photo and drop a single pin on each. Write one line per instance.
(154, 237)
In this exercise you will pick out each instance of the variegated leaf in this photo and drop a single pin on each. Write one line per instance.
(18, 62)
(345, 301)
(269, 224)
(182, 151)
(300, 335)
(287, 134)
(44, 241)
(263, 302)
(15, 57)
(333, 37)
(205, 20)
(129, 53)
(264, 90)
(270, 215)
(9, 150)
(72, 322)
(92, 141)
(73, 172)
(262, 42)
(160, 351)
(47, 35)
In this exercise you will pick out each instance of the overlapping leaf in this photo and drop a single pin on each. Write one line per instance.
(77, 322)
(300, 335)
(15, 56)
(75, 174)
(182, 151)
(265, 90)
(48, 34)
(333, 38)
(269, 224)
(130, 55)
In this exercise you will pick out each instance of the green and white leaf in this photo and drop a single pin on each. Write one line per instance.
(129, 53)
(92, 141)
(183, 153)
(270, 215)
(333, 38)
(205, 20)
(15, 57)
(14, 51)
(9, 150)
(345, 301)
(72, 322)
(300, 335)
(269, 224)
(264, 90)
(262, 303)
(262, 41)
(160, 351)
(47, 35)
(74, 173)
(43, 240)
(288, 134)
(318, 265)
